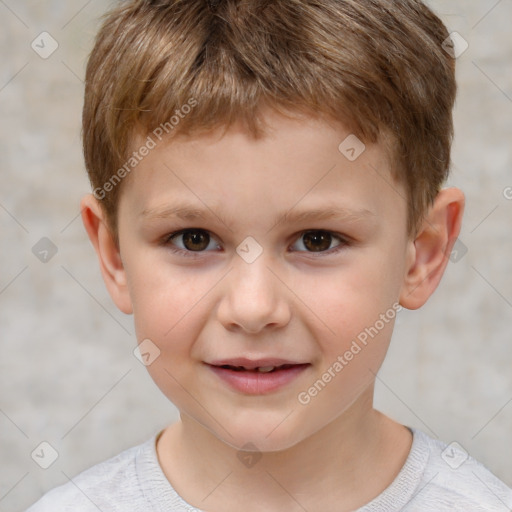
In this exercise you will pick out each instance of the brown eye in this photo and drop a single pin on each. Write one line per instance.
(192, 240)
(320, 241)
(317, 240)
(196, 240)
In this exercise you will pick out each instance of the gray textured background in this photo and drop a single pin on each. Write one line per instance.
(67, 372)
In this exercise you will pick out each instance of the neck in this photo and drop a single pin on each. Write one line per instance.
(348, 462)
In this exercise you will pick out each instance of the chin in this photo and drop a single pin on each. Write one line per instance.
(260, 443)
(254, 436)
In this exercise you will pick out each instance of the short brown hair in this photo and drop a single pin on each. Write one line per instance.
(378, 66)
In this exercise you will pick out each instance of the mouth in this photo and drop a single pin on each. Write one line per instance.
(259, 369)
(262, 365)
(258, 377)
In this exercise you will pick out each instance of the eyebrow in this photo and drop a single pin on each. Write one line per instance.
(191, 213)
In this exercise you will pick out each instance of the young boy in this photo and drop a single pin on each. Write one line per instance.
(267, 197)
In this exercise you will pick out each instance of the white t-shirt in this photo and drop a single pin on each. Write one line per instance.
(434, 478)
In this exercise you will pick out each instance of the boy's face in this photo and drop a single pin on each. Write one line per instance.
(305, 299)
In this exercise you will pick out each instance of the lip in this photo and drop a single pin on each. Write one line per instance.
(254, 382)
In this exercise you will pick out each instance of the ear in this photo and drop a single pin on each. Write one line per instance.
(429, 252)
(108, 253)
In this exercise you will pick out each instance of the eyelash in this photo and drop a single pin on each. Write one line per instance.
(166, 241)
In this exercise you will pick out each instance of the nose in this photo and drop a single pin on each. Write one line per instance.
(253, 298)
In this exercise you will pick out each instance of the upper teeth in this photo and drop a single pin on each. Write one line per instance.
(265, 369)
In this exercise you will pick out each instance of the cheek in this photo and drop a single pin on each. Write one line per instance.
(358, 305)
(354, 297)
(156, 284)
(360, 315)
(360, 331)
(164, 298)
(170, 309)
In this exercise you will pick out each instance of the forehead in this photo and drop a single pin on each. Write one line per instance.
(308, 162)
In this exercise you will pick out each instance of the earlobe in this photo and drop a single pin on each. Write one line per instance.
(109, 256)
(429, 252)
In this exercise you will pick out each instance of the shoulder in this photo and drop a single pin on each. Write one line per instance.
(454, 481)
(109, 486)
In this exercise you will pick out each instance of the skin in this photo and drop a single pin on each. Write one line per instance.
(335, 453)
